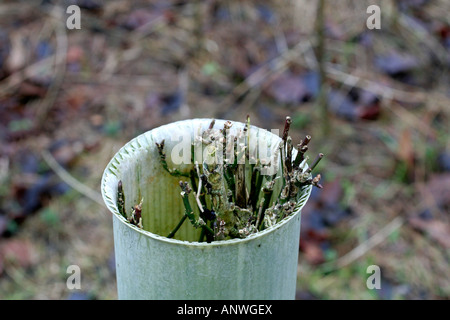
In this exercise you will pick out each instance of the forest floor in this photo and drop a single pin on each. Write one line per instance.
(77, 96)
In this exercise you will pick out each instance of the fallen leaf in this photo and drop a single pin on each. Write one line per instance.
(43, 50)
(172, 102)
(288, 88)
(370, 112)
(74, 54)
(366, 97)
(3, 225)
(439, 188)
(311, 81)
(31, 90)
(17, 252)
(444, 161)
(436, 229)
(341, 105)
(394, 62)
(312, 252)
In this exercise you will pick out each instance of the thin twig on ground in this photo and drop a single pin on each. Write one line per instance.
(364, 247)
(70, 180)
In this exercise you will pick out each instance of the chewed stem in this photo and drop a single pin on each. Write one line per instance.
(316, 162)
(121, 200)
(189, 213)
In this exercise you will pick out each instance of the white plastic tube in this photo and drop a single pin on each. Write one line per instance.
(151, 266)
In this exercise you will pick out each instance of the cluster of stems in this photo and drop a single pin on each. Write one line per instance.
(235, 196)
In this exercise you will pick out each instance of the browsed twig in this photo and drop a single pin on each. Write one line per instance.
(267, 191)
(189, 213)
(162, 155)
(315, 163)
(302, 147)
(136, 215)
(71, 181)
(121, 200)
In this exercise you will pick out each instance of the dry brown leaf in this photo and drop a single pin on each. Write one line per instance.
(18, 252)
(436, 229)
(439, 188)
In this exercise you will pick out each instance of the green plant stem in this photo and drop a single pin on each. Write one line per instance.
(288, 160)
(285, 173)
(172, 233)
(315, 163)
(202, 235)
(162, 156)
(255, 186)
(247, 134)
(302, 147)
(267, 190)
(241, 192)
(188, 209)
(229, 178)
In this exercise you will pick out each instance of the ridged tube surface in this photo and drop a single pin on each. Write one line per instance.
(151, 266)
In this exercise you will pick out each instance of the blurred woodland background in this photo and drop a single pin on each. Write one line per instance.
(376, 102)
